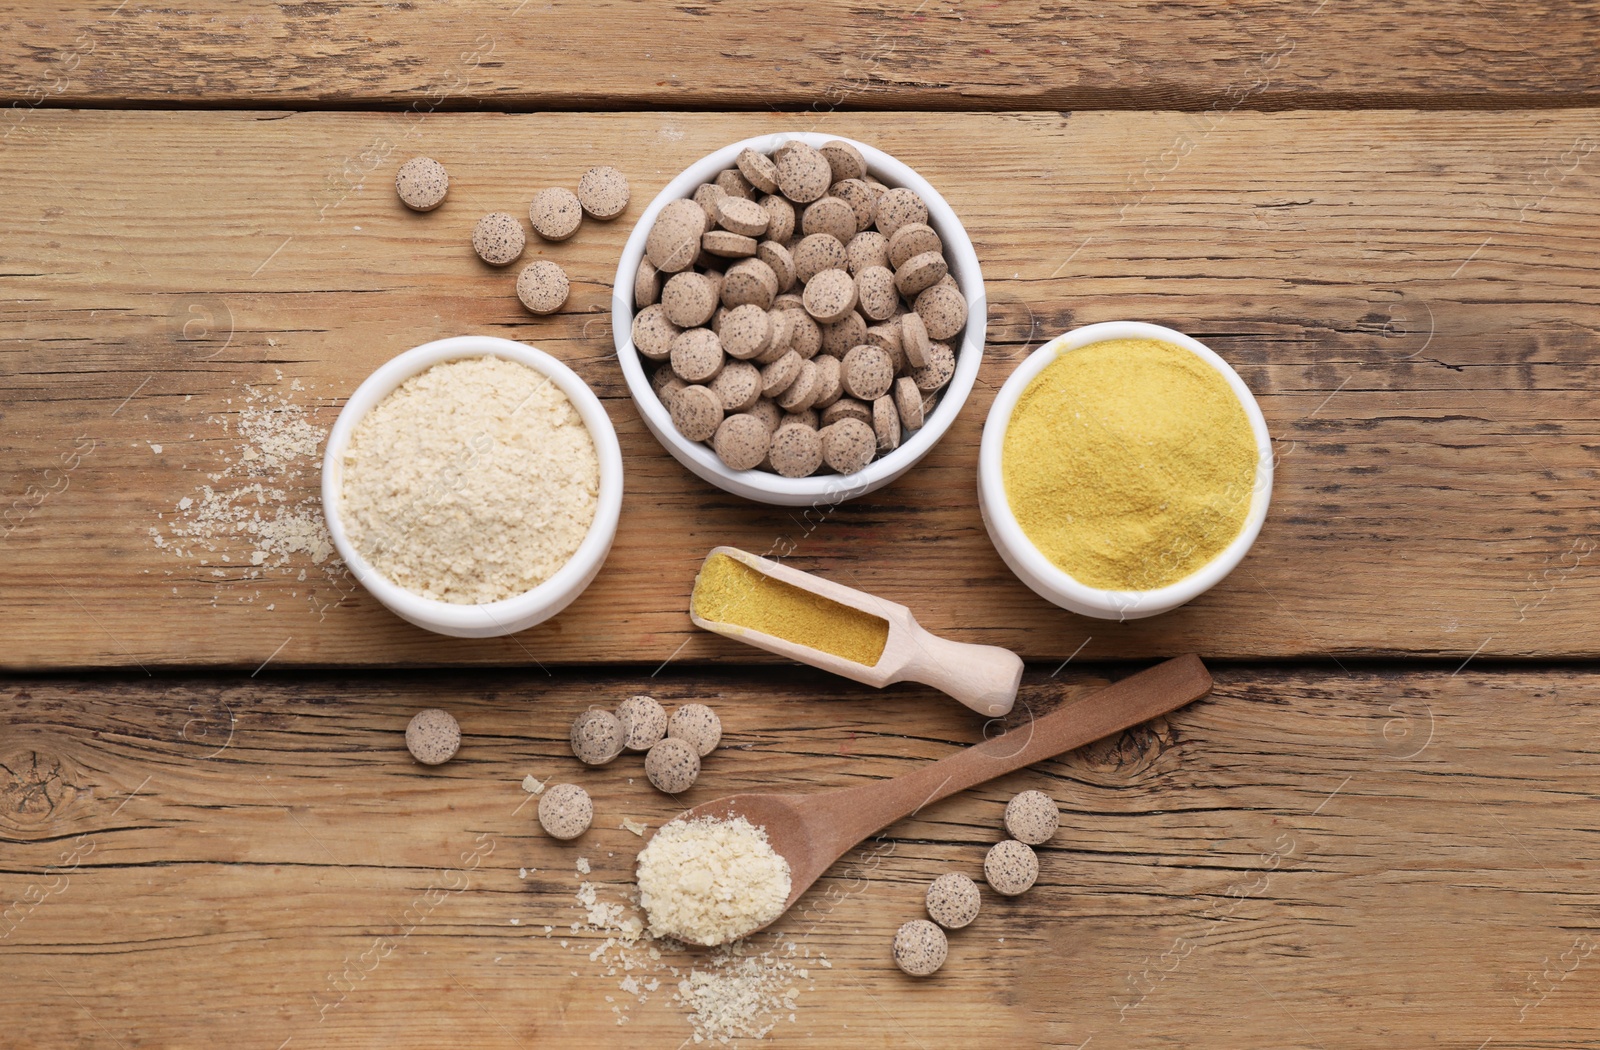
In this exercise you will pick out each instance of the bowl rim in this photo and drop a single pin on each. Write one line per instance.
(1008, 533)
(764, 486)
(550, 596)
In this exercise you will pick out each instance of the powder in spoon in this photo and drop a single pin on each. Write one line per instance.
(708, 881)
(731, 592)
(1129, 463)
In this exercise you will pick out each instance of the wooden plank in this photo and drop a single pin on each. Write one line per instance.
(835, 54)
(1402, 290)
(1306, 859)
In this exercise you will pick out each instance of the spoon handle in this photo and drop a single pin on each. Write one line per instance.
(984, 677)
(1137, 698)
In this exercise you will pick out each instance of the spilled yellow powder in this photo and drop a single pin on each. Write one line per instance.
(1129, 463)
(729, 591)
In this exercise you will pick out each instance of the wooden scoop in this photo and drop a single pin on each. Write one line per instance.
(984, 677)
(812, 831)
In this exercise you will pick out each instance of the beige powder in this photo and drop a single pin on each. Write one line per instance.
(472, 482)
(709, 881)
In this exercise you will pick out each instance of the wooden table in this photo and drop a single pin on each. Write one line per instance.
(1380, 828)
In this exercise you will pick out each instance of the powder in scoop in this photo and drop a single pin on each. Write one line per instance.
(1129, 463)
(709, 881)
(472, 482)
(729, 591)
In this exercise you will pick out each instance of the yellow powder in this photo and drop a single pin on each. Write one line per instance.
(1129, 463)
(729, 591)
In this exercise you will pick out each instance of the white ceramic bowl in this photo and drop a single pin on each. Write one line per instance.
(511, 614)
(1037, 571)
(765, 486)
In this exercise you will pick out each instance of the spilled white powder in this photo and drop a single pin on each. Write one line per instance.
(472, 482)
(709, 881)
(260, 513)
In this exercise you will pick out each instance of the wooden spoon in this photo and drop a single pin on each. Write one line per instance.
(984, 677)
(812, 831)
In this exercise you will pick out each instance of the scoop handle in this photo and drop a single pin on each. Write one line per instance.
(1137, 698)
(983, 677)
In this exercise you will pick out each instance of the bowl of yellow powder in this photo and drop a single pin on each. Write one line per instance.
(473, 485)
(1125, 469)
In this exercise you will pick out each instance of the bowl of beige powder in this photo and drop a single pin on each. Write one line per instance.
(473, 485)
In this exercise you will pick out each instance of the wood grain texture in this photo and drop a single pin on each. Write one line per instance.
(834, 54)
(1306, 858)
(1409, 295)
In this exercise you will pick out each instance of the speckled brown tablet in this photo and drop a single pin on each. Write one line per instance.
(838, 337)
(780, 217)
(912, 239)
(867, 372)
(498, 238)
(757, 169)
(943, 309)
(565, 811)
(830, 295)
(886, 423)
(806, 337)
(920, 272)
(674, 240)
(653, 333)
(433, 736)
(688, 299)
(726, 244)
(696, 412)
(741, 441)
(829, 215)
(953, 900)
(697, 355)
(672, 765)
(830, 384)
(796, 451)
(706, 195)
(896, 208)
(937, 372)
(780, 262)
(802, 393)
(908, 402)
(741, 216)
(848, 445)
(867, 248)
(920, 948)
(555, 213)
(783, 329)
(646, 284)
(914, 339)
(859, 196)
(749, 281)
(698, 725)
(542, 286)
(844, 408)
(768, 412)
(746, 331)
(1010, 867)
(1032, 817)
(422, 183)
(844, 160)
(776, 377)
(644, 721)
(887, 336)
(665, 383)
(875, 290)
(603, 191)
(596, 737)
(818, 252)
(803, 173)
(734, 184)
(806, 417)
(739, 385)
